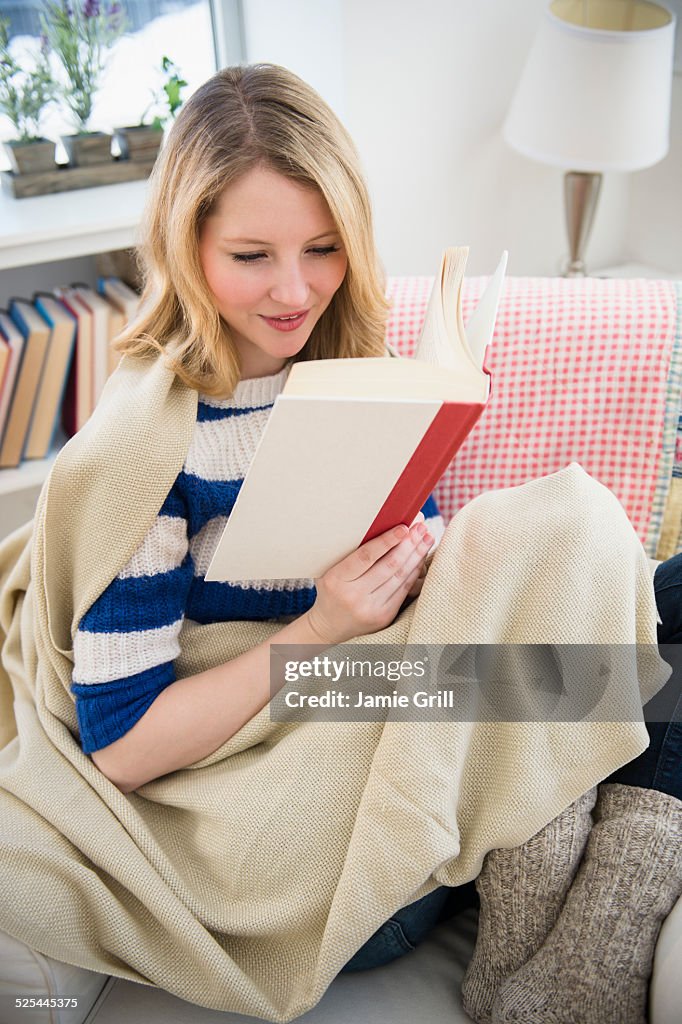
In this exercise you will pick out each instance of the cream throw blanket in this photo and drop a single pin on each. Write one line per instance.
(246, 881)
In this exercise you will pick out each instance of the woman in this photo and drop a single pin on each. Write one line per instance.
(259, 251)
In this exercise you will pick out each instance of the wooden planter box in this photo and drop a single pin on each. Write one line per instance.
(88, 149)
(29, 157)
(65, 179)
(140, 142)
(90, 162)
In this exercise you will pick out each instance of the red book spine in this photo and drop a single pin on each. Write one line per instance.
(70, 401)
(428, 462)
(69, 419)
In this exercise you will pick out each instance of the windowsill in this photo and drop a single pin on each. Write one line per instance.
(79, 223)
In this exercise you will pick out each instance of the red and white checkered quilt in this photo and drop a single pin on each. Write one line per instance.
(585, 370)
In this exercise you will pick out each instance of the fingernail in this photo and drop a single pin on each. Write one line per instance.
(400, 531)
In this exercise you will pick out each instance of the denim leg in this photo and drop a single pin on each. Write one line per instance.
(668, 590)
(410, 926)
(660, 766)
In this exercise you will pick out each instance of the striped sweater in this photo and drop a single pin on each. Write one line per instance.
(126, 643)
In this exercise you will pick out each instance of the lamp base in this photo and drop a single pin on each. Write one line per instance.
(581, 192)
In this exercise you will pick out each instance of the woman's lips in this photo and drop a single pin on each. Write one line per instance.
(289, 323)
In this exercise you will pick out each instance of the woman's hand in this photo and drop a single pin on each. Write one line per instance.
(364, 592)
(416, 588)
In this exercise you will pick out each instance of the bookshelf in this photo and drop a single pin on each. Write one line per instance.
(48, 229)
(28, 475)
(56, 227)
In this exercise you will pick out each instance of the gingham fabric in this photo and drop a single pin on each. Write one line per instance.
(585, 370)
(673, 517)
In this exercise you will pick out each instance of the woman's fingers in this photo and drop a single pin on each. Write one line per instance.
(363, 592)
(416, 587)
(393, 579)
(366, 556)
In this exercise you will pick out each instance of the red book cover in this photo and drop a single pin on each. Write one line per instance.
(78, 401)
(432, 456)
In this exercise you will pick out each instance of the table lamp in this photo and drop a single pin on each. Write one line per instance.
(594, 96)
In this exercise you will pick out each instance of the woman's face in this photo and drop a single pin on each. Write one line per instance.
(273, 258)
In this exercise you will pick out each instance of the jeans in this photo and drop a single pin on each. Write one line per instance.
(659, 767)
(409, 926)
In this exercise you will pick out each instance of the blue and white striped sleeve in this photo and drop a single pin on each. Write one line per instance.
(127, 641)
(433, 520)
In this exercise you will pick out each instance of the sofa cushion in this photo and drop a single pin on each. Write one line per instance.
(421, 986)
(665, 993)
(43, 986)
(585, 370)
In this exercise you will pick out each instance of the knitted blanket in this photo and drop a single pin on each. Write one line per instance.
(247, 880)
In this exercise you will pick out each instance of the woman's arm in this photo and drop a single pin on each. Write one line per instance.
(192, 717)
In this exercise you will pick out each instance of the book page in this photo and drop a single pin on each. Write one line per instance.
(385, 377)
(443, 340)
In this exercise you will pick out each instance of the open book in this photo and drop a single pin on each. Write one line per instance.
(354, 447)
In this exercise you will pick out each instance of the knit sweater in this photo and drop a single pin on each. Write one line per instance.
(126, 644)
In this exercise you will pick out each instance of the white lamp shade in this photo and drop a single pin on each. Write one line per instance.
(595, 91)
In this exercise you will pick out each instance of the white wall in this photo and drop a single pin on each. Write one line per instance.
(303, 35)
(654, 225)
(423, 88)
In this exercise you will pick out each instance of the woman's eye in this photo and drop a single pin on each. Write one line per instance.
(325, 250)
(247, 257)
(255, 257)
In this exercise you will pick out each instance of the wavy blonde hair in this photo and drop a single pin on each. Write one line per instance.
(245, 117)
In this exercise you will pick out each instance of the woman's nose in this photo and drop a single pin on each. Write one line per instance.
(290, 288)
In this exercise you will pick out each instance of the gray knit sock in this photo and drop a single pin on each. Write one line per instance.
(522, 891)
(595, 966)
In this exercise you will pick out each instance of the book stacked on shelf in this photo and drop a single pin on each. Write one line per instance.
(55, 356)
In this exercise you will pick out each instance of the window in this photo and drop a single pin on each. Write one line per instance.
(183, 30)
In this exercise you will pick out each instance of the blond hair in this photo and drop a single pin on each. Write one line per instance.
(241, 118)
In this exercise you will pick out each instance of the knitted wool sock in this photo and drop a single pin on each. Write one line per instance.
(595, 966)
(522, 891)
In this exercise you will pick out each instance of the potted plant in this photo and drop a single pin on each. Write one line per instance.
(82, 33)
(24, 95)
(142, 141)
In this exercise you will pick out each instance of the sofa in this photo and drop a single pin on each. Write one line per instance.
(583, 370)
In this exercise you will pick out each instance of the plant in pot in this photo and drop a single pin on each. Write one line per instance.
(24, 95)
(82, 33)
(142, 141)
